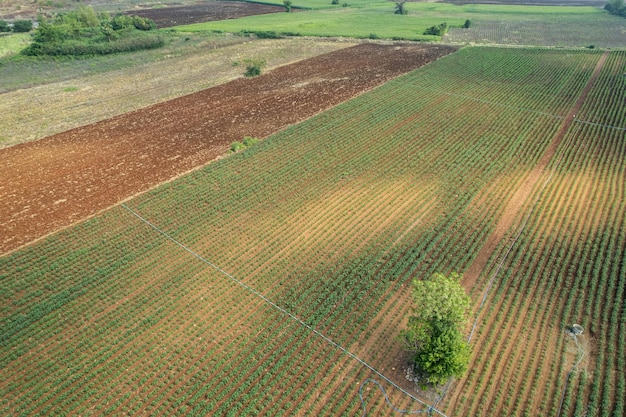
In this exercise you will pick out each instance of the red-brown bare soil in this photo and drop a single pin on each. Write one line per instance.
(204, 12)
(56, 181)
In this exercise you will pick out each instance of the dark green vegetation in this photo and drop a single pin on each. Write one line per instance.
(84, 32)
(332, 220)
(616, 7)
(435, 330)
(18, 26)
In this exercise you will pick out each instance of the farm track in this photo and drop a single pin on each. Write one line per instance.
(56, 181)
(535, 320)
(520, 198)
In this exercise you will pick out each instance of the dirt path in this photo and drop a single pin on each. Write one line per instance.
(56, 181)
(520, 198)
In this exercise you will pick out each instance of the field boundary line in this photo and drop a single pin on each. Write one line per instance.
(280, 309)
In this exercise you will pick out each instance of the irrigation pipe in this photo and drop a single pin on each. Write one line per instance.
(569, 373)
(287, 313)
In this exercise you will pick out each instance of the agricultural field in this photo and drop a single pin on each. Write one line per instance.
(73, 93)
(118, 157)
(556, 26)
(275, 281)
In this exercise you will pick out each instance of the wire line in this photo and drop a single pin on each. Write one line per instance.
(282, 310)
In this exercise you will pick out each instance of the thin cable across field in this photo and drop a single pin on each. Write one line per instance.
(430, 409)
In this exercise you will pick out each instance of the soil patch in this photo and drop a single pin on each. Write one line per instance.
(204, 12)
(56, 181)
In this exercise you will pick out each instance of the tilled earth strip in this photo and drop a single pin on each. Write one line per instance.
(56, 181)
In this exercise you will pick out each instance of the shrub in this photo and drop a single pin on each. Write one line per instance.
(22, 26)
(438, 30)
(334, 2)
(253, 67)
(287, 4)
(249, 141)
(400, 9)
(83, 32)
(237, 146)
(467, 24)
(4, 26)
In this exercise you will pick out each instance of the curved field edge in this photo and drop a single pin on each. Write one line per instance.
(330, 219)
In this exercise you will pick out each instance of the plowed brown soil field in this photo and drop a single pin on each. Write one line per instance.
(56, 181)
(204, 12)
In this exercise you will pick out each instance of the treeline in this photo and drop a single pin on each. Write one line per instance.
(616, 7)
(85, 32)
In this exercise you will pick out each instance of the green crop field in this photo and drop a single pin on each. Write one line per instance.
(262, 283)
(491, 24)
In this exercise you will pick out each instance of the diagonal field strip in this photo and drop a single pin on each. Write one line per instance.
(430, 409)
(515, 206)
(521, 196)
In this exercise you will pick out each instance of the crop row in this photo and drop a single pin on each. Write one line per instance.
(567, 268)
(330, 219)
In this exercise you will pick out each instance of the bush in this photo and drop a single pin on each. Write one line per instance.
(83, 32)
(467, 24)
(287, 4)
(22, 26)
(4, 26)
(82, 48)
(334, 2)
(248, 141)
(438, 30)
(400, 9)
(237, 146)
(253, 67)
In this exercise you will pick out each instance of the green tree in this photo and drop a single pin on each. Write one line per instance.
(288, 4)
(4, 26)
(434, 332)
(400, 9)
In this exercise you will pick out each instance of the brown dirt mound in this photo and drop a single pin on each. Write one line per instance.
(56, 181)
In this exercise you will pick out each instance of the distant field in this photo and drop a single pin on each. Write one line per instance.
(541, 26)
(330, 220)
(341, 22)
(491, 24)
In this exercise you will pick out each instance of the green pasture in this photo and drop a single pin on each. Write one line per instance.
(491, 24)
(342, 21)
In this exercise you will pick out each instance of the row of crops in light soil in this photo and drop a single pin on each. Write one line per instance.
(567, 267)
(330, 220)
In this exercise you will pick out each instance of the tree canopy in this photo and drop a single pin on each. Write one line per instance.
(434, 332)
(85, 32)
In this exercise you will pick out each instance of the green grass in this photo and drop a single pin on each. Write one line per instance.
(493, 24)
(344, 22)
(13, 44)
